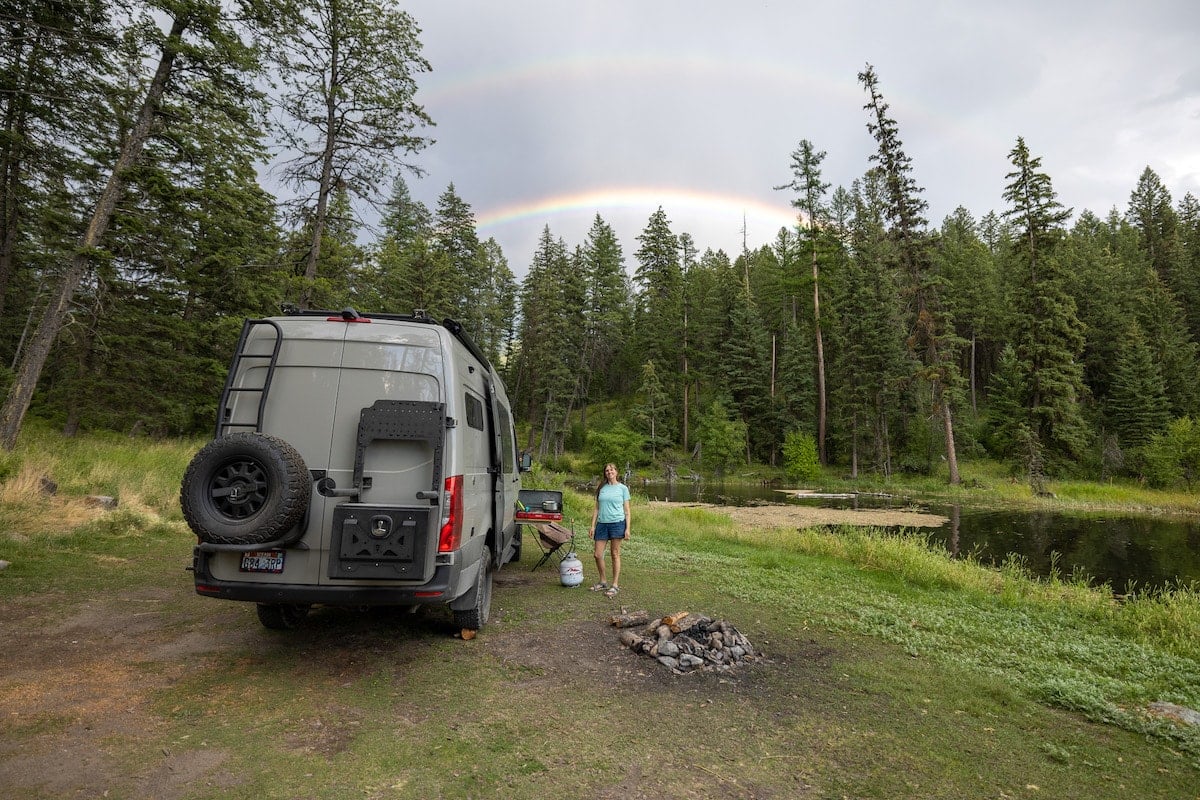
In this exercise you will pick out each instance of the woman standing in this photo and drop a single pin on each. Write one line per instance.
(610, 523)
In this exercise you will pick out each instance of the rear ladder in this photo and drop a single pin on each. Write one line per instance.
(225, 409)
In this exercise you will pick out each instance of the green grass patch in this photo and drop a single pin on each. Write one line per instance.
(894, 671)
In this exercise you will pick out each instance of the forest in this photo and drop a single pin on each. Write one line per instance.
(136, 234)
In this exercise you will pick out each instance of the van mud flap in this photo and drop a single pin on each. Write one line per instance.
(379, 542)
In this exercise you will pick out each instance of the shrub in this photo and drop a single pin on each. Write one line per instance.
(800, 457)
(1174, 455)
(617, 445)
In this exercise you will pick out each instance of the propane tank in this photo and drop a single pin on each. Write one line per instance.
(570, 570)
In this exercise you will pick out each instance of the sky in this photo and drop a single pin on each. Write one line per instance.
(549, 112)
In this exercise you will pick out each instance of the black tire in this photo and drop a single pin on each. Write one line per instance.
(282, 617)
(245, 488)
(477, 615)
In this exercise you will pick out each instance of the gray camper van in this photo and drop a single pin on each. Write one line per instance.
(358, 461)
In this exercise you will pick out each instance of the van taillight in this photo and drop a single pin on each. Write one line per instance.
(452, 516)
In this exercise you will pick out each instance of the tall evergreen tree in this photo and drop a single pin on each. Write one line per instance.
(807, 183)
(932, 339)
(607, 314)
(547, 378)
(348, 75)
(745, 362)
(971, 292)
(455, 238)
(56, 59)
(1137, 407)
(659, 321)
(1049, 338)
(1187, 262)
(869, 362)
(200, 48)
(1151, 213)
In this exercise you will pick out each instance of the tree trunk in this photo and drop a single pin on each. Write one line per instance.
(974, 404)
(30, 368)
(948, 422)
(15, 128)
(821, 402)
(326, 186)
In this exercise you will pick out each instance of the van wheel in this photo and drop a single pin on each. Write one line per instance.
(282, 617)
(477, 615)
(245, 488)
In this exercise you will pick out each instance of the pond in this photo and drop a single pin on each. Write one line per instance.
(1125, 552)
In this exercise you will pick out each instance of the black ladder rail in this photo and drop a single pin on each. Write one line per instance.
(239, 355)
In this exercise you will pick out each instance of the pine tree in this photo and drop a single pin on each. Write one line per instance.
(500, 310)
(806, 181)
(547, 377)
(1137, 407)
(1151, 213)
(1049, 338)
(1187, 262)
(970, 292)
(870, 362)
(659, 319)
(348, 100)
(456, 240)
(932, 338)
(200, 49)
(55, 60)
(746, 368)
(652, 407)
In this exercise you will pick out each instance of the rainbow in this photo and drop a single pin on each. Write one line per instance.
(683, 208)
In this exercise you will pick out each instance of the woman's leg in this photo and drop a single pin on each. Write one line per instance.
(598, 554)
(616, 560)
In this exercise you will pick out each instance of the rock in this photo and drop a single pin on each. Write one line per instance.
(4, 564)
(100, 501)
(630, 639)
(689, 660)
(1171, 711)
(668, 649)
(667, 661)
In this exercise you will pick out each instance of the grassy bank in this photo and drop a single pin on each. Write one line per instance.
(893, 671)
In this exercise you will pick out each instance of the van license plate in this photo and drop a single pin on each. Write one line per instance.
(262, 561)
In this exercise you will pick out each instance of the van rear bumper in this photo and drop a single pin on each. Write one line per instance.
(436, 590)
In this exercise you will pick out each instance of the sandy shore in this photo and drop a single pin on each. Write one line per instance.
(804, 516)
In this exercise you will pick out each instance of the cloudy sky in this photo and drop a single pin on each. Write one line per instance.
(551, 111)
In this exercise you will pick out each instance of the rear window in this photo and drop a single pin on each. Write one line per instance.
(474, 412)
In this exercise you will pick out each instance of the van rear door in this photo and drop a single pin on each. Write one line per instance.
(395, 371)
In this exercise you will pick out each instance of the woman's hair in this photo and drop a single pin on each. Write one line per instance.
(603, 478)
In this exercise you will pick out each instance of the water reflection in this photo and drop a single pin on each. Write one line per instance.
(1125, 552)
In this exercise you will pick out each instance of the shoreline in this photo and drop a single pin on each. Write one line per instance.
(807, 517)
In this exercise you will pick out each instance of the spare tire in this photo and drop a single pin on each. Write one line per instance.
(245, 488)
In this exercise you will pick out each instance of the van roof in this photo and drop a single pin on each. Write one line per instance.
(419, 315)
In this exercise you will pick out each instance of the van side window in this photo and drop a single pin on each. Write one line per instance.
(506, 440)
(474, 412)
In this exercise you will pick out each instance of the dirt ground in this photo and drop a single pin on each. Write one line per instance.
(79, 678)
(82, 674)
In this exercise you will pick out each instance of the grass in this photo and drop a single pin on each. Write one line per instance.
(896, 671)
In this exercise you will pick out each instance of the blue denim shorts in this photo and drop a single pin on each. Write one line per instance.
(610, 530)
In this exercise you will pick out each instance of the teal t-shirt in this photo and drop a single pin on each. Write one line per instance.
(612, 499)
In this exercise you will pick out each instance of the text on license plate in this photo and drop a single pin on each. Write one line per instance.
(262, 561)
